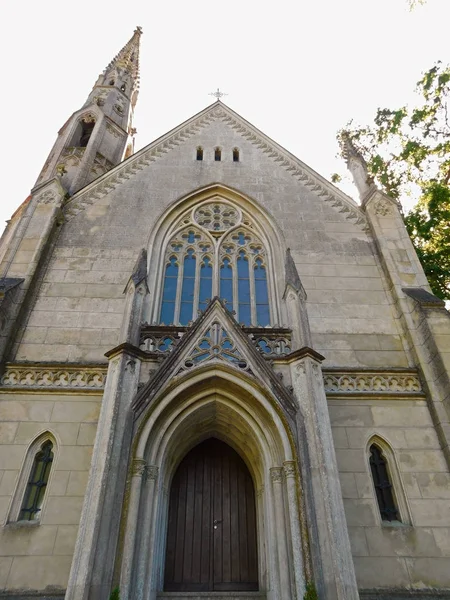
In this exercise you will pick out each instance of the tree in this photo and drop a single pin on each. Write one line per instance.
(407, 151)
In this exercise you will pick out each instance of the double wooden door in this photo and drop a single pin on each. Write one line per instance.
(211, 537)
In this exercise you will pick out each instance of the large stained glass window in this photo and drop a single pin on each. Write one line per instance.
(215, 251)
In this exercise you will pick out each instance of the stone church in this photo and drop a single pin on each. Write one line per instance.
(221, 377)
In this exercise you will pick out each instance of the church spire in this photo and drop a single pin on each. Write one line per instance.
(101, 134)
(128, 57)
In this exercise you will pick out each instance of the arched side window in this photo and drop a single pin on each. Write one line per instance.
(383, 485)
(83, 131)
(235, 155)
(388, 489)
(31, 490)
(217, 154)
(199, 153)
(215, 252)
(37, 483)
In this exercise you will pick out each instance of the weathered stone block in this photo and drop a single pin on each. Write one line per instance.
(76, 411)
(401, 540)
(65, 540)
(27, 539)
(86, 435)
(360, 513)
(62, 510)
(38, 572)
(429, 572)
(75, 458)
(381, 572)
(77, 483)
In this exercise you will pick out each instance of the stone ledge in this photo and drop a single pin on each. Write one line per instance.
(373, 382)
(54, 377)
(32, 595)
(398, 594)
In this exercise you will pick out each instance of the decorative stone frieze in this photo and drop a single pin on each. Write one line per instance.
(276, 474)
(48, 197)
(138, 467)
(271, 342)
(373, 382)
(152, 472)
(54, 377)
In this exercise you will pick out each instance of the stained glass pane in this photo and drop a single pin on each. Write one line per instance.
(245, 313)
(226, 282)
(169, 291)
(206, 273)
(187, 290)
(262, 295)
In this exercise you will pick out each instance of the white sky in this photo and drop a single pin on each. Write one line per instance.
(297, 69)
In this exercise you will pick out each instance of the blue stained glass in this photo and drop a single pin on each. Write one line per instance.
(264, 346)
(261, 291)
(226, 281)
(262, 295)
(205, 283)
(169, 291)
(245, 313)
(167, 312)
(187, 290)
(263, 314)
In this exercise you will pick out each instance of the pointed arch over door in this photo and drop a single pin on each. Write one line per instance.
(211, 533)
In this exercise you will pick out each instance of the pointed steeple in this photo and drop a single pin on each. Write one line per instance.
(99, 135)
(128, 57)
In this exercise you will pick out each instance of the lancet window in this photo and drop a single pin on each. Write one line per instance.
(215, 251)
(383, 485)
(37, 483)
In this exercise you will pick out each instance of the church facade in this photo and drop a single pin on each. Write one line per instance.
(221, 376)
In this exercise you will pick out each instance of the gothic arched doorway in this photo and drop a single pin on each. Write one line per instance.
(211, 533)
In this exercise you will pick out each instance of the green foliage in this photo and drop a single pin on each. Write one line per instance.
(115, 594)
(407, 151)
(310, 593)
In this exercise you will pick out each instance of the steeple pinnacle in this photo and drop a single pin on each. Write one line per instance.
(99, 135)
(128, 57)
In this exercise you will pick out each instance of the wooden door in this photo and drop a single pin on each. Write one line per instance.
(211, 536)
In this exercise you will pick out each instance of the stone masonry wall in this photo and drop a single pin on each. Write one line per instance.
(414, 554)
(77, 313)
(37, 555)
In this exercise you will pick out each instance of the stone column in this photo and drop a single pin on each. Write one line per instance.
(290, 474)
(144, 571)
(25, 256)
(95, 549)
(334, 572)
(276, 475)
(137, 476)
(423, 317)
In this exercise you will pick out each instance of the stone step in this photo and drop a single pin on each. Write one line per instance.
(212, 596)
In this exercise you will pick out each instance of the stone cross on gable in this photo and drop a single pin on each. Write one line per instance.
(217, 94)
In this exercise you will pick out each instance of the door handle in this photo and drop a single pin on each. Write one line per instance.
(216, 522)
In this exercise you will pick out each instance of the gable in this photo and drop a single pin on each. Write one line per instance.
(221, 114)
(214, 339)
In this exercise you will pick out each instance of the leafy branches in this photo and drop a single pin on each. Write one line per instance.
(407, 151)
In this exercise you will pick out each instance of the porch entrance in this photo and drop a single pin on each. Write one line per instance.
(211, 534)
